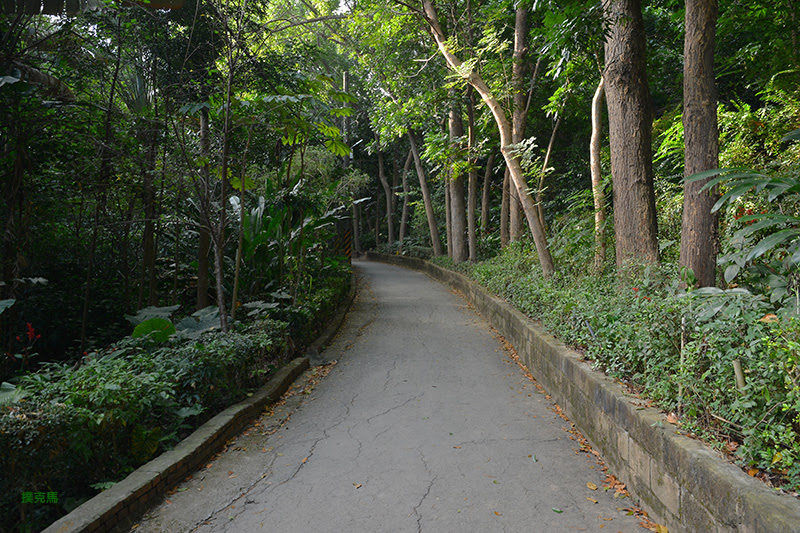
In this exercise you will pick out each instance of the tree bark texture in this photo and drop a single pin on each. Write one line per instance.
(436, 243)
(486, 194)
(404, 212)
(458, 208)
(203, 230)
(630, 130)
(598, 194)
(699, 234)
(472, 181)
(505, 204)
(515, 219)
(387, 191)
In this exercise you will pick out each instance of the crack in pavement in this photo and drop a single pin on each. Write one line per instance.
(395, 407)
(427, 491)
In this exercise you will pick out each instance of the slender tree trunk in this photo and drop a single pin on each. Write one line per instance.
(487, 186)
(630, 130)
(448, 218)
(458, 210)
(505, 208)
(203, 229)
(472, 182)
(387, 191)
(543, 173)
(357, 229)
(518, 116)
(406, 191)
(699, 235)
(436, 243)
(598, 194)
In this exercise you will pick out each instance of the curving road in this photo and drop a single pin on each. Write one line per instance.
(423, 424)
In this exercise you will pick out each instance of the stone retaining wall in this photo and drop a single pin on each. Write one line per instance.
(680, 482)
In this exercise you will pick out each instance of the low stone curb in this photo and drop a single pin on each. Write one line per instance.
(680, 482)
(130, 497)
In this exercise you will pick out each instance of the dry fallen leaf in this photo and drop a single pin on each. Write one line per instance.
(661, 529)
(591, 485)
(591, 499)
(357, 485)
(304, 461)
(752, 472)
(498, 514)
(672, 418)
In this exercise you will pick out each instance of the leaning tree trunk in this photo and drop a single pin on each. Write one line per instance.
(699, 236)
(436, 243)
(597, 179)
(630, 129)
(504, 128)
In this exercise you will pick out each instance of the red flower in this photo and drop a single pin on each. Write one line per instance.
(32, 336)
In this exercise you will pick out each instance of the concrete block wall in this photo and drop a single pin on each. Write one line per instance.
(681, 483)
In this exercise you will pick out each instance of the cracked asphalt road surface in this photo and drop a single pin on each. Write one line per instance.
(424, 423)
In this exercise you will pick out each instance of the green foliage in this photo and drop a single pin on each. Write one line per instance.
(77, 430)
(674, 346)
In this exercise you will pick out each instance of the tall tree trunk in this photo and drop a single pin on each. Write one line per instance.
(458, 210)
(472, 182)
(699, 235)
(519, 66)
(487, 187)
(516, 217)
(436, 243)
(505, 208)
(203, 229)
(543, 173)
(598, 194)
(406, 191)
(387, 191)
(630, 130)
(448, 217)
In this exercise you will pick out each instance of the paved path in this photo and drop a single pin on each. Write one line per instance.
(423, 424)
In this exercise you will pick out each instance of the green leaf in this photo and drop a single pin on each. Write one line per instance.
(158, 329)
(10, 393)
(772, 241)
(731, 272)
(152, 312)
(791, 136)
(5, 304)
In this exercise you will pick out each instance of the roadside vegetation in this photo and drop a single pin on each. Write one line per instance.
(180, 182)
